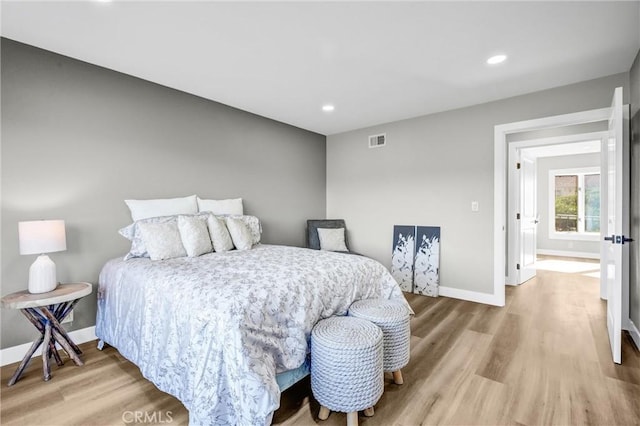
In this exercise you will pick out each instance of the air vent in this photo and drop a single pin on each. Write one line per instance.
(376, 141)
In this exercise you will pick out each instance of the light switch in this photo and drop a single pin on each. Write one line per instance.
(474, 206)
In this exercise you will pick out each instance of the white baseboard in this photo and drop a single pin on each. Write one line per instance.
(472, 296)
(566, 253)
(634, 332)
(16, 353)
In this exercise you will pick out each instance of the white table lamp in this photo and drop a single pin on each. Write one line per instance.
(39, 237)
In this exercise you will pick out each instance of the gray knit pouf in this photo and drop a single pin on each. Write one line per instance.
(346, 366)
(393, 319)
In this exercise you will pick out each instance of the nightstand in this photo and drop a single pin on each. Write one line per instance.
(46, 311)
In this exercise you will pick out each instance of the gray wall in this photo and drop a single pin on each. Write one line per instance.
(79, 139)
(431, 170)
(542, 168)
(634, 248)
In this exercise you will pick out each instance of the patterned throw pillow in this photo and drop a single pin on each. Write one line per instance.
(194, 235)
(138, 249)
(240, 233)
(133, 234)
(332, 239)
(219, 234)
(252, 222)
(162, 240)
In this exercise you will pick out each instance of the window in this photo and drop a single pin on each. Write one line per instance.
(574, 203)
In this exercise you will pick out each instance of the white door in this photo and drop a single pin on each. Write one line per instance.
(528, 218)
(615, 245)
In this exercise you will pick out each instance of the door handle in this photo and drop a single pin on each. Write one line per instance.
(618, 239)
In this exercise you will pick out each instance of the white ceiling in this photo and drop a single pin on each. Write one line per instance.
(375, 61)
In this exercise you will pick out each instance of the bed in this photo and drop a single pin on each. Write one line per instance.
(215, 330)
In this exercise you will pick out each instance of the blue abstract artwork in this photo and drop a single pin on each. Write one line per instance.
(426, 277)
(402, 258)
(415, 262)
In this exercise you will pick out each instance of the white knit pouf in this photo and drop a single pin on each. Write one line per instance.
(346, 366)
(393, 319)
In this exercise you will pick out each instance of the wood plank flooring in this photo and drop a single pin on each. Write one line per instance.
(542, 359)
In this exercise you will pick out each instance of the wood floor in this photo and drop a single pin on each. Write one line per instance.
(542, 359)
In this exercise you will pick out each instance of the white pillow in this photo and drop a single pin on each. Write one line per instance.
(132, 233)
(240, 233)
(253, 223)
(194, 235)
(219, 234)
(162, 240)
(143, 209)
(219, 207)
(332, 239)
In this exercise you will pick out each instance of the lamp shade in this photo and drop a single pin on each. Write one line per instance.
(42, 236)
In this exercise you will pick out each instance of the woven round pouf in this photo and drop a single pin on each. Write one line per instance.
(346, 366)
(393, 319)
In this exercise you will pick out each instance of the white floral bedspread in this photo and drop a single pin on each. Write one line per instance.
(214, 330)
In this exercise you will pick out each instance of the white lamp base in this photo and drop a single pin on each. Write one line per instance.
(42, 275)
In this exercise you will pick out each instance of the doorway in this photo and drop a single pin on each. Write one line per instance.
(501, 133)
(553, 201)
(615, 256)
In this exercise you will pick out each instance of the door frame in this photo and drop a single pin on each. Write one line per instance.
(513, 243)
(501, 132)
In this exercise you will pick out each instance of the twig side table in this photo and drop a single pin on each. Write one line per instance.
(46, 311)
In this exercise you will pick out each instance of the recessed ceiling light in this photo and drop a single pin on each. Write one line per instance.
(328, 108)
(497, 59)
